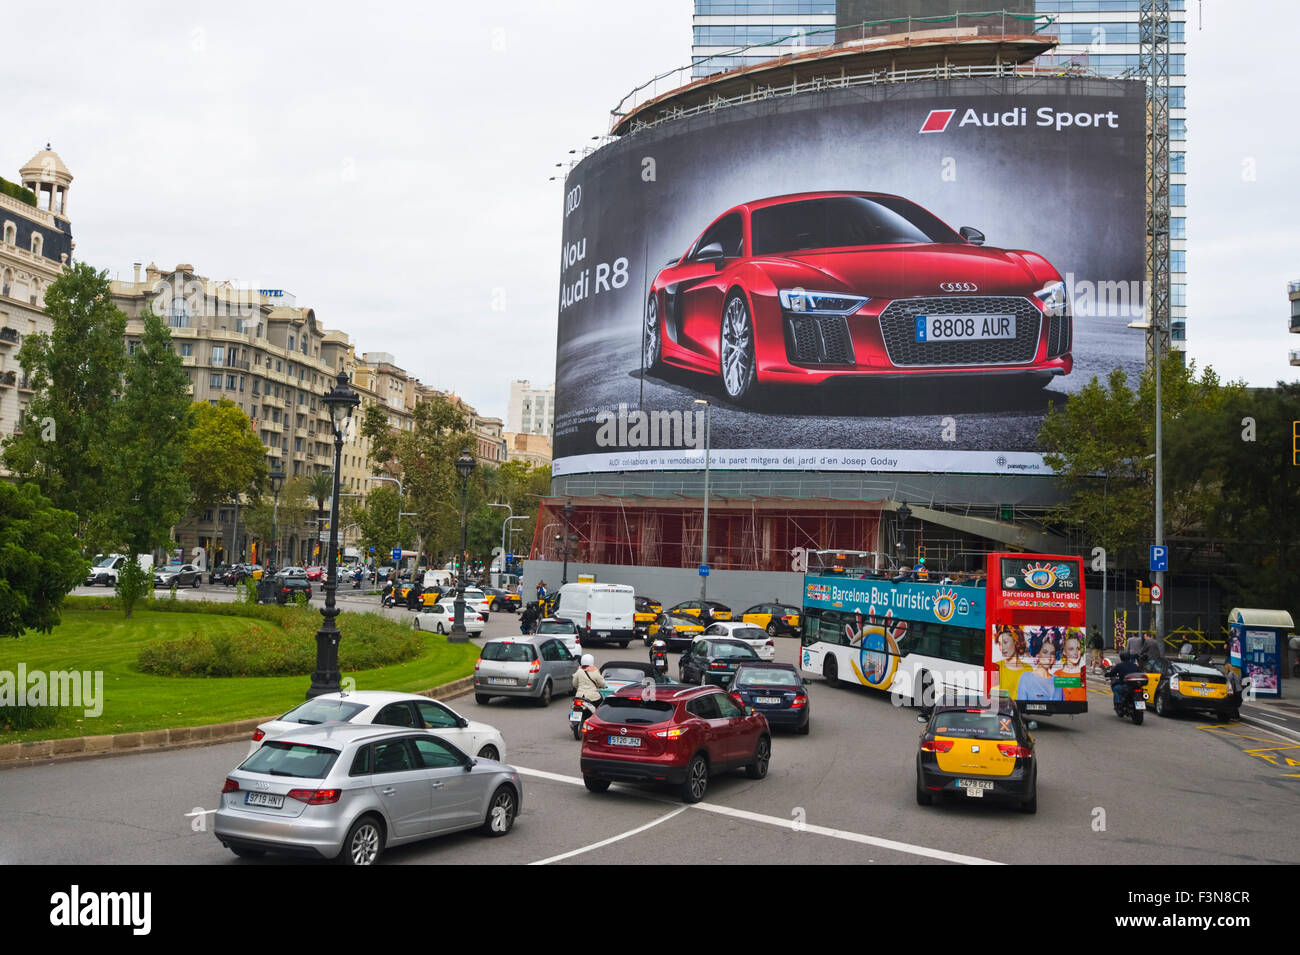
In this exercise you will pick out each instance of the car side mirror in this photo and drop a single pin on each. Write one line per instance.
(920, 718)
(1031, 725)
(711, 253)
(470, 765)
(462, 722)
(973, 236)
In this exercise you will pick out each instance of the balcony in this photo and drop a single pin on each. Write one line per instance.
(25, 384)
(8, 378)
(1295, 356)
(1292, 288)
(1295, 322)
(9, 336)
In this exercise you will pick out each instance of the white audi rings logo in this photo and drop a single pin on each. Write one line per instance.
(958, 287)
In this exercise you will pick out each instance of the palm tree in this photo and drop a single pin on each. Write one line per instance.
(320, 487)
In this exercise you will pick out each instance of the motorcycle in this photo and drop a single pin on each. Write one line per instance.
(1132, 702)
(659, 656)
(578, 714)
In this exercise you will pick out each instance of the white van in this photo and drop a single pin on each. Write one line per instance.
(107, 567)
(603, 613)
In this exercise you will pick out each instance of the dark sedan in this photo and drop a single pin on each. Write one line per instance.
(777, 691)
(288, 585)
(715, 660)
(677, 630)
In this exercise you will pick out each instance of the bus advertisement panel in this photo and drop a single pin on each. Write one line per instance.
(1015, 630)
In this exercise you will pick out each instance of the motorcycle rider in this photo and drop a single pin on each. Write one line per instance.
(1118, 672)
(528, 619)
(587, 681)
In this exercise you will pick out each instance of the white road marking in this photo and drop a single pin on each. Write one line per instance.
(860, 838)
(201, 812)
(604, 842)
(1280, 726)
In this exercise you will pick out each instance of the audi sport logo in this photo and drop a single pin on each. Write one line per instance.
(958, 287)
(937, 121)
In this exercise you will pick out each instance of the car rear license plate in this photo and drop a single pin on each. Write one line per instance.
(1139, 704)
(603, 633)
(1203, 690)
(624, 741)
(975, 787)
(264, 799)
(958, 328)
(502, 681)
(770, 700)
(1036, 707)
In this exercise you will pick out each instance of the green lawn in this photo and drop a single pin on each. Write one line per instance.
(134, 701)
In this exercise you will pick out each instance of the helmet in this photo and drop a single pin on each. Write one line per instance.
(588, 660)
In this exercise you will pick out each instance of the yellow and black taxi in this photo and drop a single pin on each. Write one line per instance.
(977, 753)
(400, 595)
(694, 608)
(1178, 686)
(678, 630)
(502, 601)
(778, 619)
(643, 620)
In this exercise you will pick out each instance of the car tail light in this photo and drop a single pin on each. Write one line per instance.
(231, 786)
(590, 726)
(770, 642)
(1174, 683)
(259, 735)
(478, 663)
(738, 698)
(671, 733)
(588, 619)
(536, 667)
(316, 797)
(1015, 750)
(789, 620)
(936, 745)
(799, 700)
(284, 590)
(717, 666)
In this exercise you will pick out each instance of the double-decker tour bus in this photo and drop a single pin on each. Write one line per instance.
(1013, 629)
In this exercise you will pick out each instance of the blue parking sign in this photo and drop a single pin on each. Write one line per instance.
(1159, 559)
(397, 553)
(704, 570)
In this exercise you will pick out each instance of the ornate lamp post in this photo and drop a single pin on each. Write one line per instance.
(904, 512)
(464, 466)
(340, 400)
(277, 482)
(567, 511)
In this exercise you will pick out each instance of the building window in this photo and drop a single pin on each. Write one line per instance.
(214, 381)
(37, 240)
(277, 365)
(1178, 228)
(1177, 261)
(218, 354)
(1177, 129)
(275, 415)
(131, 347)
(178, 316)
(290, 343)
(207, 516)
(1178, 162)
(1177, 194)
(1178, 95)
(186, 349)
(1178, 295)
(11, 234)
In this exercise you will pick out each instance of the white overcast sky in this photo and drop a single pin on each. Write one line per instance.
(388, 164)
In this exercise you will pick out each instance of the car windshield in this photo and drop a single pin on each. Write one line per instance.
(838, 221)
(635, 711)
(749, 633)
(291, 759)
(978, 724)
(555, 627)
(762, 676)
(322, 711)
(623, 674)
(508, 652)
(733, 651)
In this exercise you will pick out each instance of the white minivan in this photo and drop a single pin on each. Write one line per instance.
(603, 613)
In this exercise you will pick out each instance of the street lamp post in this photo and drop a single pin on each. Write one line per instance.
(340, 400)
(277, 482)
(464, 466)
(903, 512)
(704, 546)
(567, 511)
(392, 480)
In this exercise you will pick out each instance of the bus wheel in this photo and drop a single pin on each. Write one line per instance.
(831, 672)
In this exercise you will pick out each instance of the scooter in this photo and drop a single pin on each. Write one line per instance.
(1132, 701)
(578, 714)
(659, 656)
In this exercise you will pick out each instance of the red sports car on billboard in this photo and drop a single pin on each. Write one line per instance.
(805, 288)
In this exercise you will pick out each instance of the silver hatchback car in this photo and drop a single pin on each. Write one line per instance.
(537, 667)
(347, 792)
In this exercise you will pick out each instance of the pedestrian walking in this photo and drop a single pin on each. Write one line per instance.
(1151, 648)
(1133, 646)
(1234, 687)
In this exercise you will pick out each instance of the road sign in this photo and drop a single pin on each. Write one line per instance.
(397, 553)
(1156, 593)
(325, 537)
(510, 558)
(1159, 559)
(372, 548)
(704, 570)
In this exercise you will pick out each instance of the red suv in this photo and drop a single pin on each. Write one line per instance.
(675, 735)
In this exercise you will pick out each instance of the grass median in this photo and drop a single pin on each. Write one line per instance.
(102, 641)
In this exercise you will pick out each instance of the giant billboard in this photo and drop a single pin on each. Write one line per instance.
(902, 277)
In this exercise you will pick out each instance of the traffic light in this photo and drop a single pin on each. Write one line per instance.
(1295, 443)
(1143, 593)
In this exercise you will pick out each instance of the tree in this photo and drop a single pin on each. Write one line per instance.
(320, 488)
(224, 458)
(75, 373)
(378, 520)
(149, 435)
(1102, 446)
(40, 559)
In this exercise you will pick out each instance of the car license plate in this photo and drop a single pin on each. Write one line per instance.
(1139, 704)
(624, 741)
(974, 787)
(958, 328)
(502, 681)
(575, 716)
(263, 799)
(767, 699)
(603, 633)
(1203, 690)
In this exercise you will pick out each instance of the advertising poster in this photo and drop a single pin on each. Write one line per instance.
(902, 277)
(1040, 664)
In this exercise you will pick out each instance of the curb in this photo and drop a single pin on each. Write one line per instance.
(122, 744)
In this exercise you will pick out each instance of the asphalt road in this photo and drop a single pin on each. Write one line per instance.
(1169, 791)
